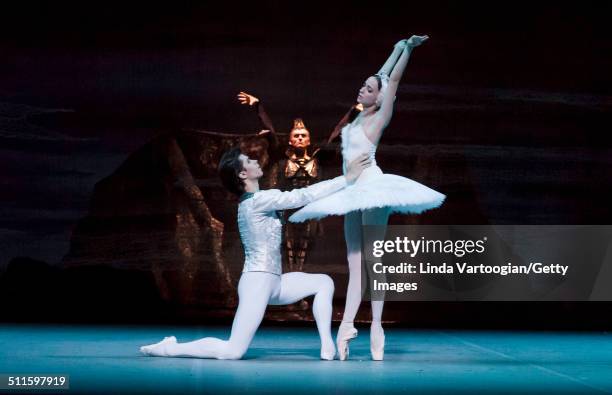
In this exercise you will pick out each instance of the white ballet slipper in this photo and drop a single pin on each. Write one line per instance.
(346, 332)
(328, 354)
(377, 342)
(158, 349)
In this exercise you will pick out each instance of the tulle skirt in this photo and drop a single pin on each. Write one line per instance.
(374, 189)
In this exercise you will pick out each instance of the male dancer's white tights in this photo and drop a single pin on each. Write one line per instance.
(256, 290)
(353, 236)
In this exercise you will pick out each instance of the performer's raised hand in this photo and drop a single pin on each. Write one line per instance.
(245, 98)
(415, 41)
(355, 168)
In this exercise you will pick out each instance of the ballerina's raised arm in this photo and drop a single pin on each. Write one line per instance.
(389, 76)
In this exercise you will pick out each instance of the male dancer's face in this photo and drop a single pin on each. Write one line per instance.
(250, 168)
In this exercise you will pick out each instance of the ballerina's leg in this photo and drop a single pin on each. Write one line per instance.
(352, 236)
(380, 217)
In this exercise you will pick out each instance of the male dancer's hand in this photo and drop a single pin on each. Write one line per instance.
(245, 98)
(355, 168)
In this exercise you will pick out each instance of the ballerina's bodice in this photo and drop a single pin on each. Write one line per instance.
(354, 143)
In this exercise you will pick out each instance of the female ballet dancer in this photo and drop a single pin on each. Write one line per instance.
(374, 195)
(261, 282)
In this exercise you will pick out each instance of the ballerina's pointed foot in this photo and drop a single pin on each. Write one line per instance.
(158, 349)
(328, 352)
(346, 332)
(377, 342)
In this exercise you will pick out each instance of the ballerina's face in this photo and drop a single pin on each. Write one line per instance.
(250, 168)
(368, 92)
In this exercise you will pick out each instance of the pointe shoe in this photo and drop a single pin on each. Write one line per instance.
(328, 354)
(377, 343)
(157, 349)
(346, 332)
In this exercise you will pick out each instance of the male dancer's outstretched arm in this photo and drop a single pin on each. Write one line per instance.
(274, 199)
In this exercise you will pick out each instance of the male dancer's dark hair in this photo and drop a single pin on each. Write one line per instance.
(230, 167)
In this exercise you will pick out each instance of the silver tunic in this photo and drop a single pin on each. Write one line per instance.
(260, 226)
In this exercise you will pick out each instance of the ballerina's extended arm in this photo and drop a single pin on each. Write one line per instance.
(383, 115)
(385, 69)
(398, 49)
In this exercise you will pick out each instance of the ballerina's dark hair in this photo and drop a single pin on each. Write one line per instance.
(379, 80)
(230, 167)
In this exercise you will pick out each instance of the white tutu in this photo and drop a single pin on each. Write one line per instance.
(374, 189)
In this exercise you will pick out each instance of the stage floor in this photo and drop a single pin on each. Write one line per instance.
(105, 359)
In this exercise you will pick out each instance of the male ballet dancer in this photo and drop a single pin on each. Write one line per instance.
(261, 282)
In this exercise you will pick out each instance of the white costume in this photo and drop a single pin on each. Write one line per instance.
(368, 201)
(261, 282)
(260, 227)
(373, 189)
